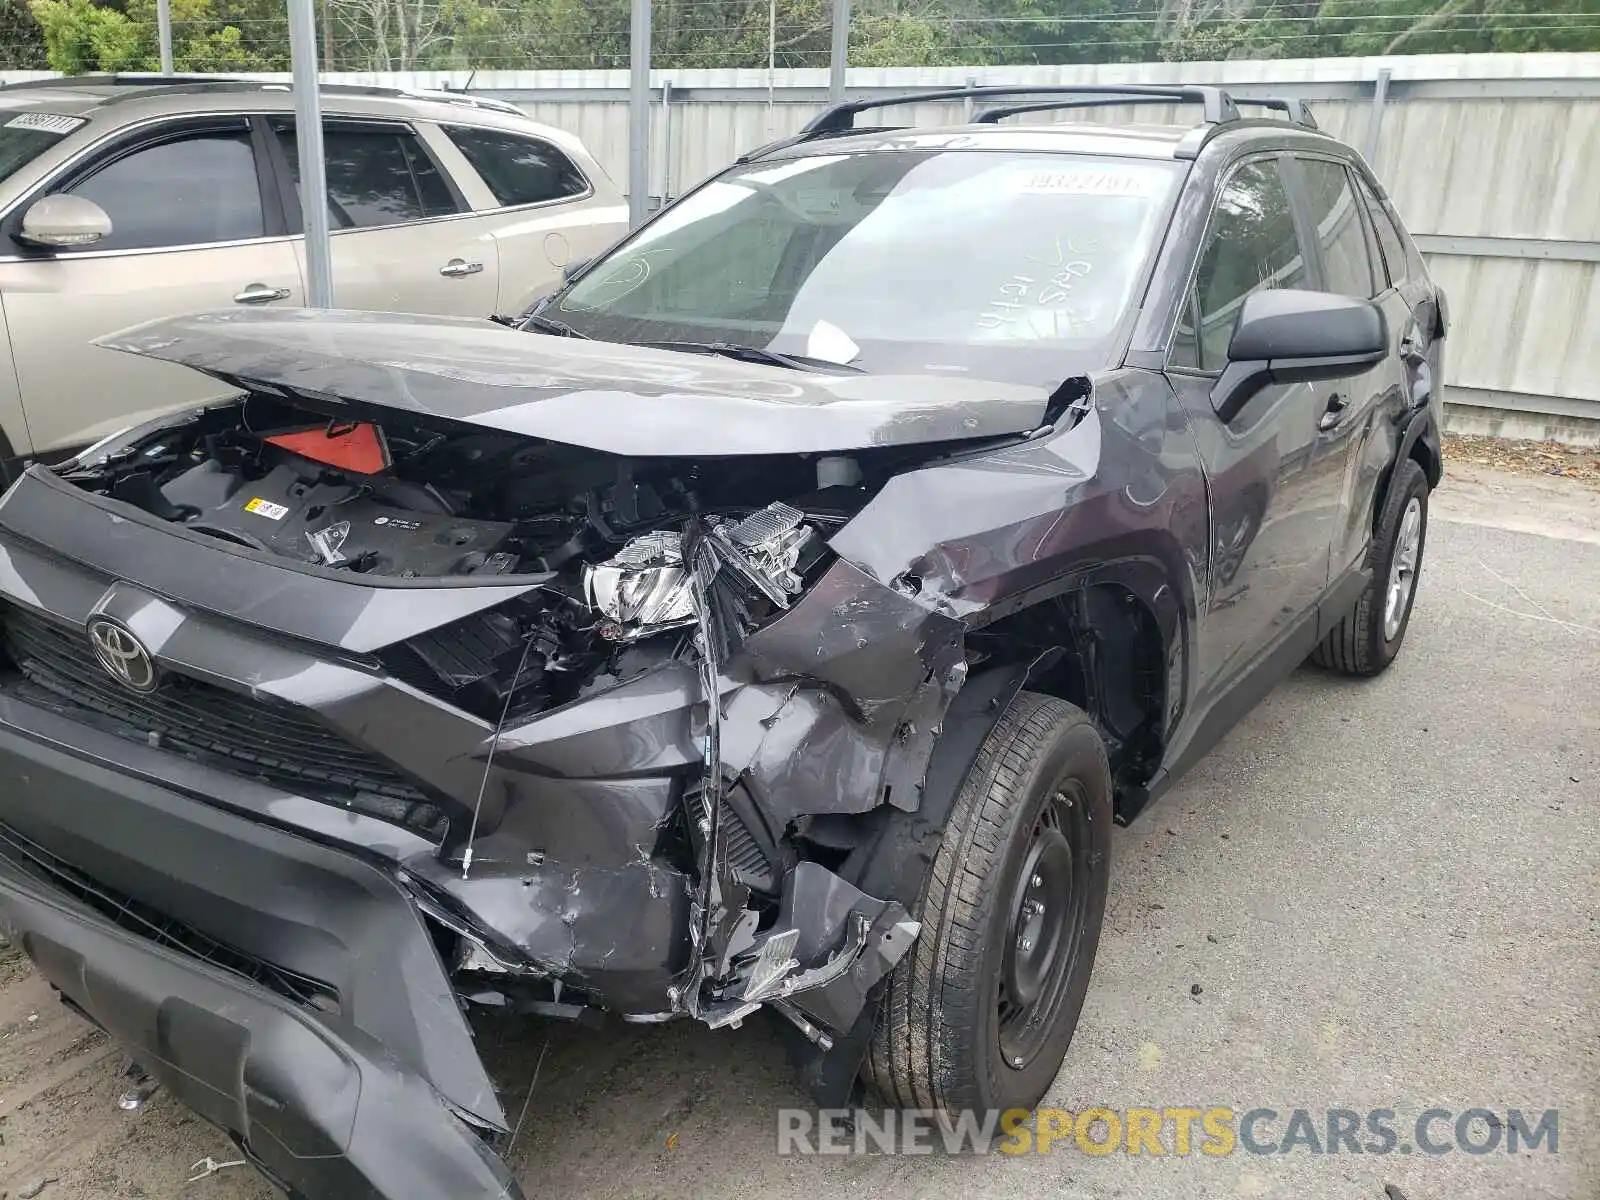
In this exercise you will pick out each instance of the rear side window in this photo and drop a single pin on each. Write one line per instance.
(1341, 237)
(377, 176)
(519, 170)
(1251, 244)
(1394, 249)
(187, 191)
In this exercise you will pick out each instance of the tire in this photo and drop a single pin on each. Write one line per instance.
(1366, 641)
(1030, 825)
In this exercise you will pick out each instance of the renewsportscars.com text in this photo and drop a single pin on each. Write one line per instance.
(1179, 1131)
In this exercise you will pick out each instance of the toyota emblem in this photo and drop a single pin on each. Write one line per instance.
(122, 656)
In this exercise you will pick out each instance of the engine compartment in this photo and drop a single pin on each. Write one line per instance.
(601, 537)
(450, 500)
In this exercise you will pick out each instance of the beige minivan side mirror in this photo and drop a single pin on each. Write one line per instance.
(65, 221)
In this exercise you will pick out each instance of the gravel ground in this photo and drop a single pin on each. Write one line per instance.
(1389, 893)
(1527, 458)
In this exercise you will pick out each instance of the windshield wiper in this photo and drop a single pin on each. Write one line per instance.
(755, 354)
(551, 325)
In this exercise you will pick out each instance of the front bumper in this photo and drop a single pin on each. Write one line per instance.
(323, 1113)
(184, 930)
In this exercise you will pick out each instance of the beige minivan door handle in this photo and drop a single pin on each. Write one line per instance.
(457, 267)
(260, 293)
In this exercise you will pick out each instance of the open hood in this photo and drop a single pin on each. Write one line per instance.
(622, 399)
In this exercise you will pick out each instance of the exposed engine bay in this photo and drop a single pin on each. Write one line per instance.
(419, 498)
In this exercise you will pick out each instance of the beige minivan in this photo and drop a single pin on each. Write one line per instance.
(126, 198)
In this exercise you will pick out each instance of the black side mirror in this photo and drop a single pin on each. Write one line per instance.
(1289, 336)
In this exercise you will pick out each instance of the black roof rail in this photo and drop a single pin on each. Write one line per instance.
(993, 116)
(1218, 106)
(1295, 110)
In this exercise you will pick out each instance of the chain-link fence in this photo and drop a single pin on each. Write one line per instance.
(456, 35)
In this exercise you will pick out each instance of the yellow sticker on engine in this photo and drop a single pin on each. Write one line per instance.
(266, 508)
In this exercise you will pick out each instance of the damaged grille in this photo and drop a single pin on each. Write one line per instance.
(261, 739)
(745, 855)
(142, 921)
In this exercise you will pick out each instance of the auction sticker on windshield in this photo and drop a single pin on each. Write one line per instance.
(1089, 181)
(45, 122)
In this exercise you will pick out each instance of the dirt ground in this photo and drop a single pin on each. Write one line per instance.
(1390, 890)
(1523, 458)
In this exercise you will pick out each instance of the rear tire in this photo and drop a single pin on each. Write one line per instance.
(1367, 640)
(980, 1013)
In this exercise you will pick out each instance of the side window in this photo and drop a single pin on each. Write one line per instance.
(1389, 241)
(1340, 234)
(1250, 245)
(517, 169)
(377, 175)
(186, 191)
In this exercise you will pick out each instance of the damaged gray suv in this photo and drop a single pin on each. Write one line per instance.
(777, 617)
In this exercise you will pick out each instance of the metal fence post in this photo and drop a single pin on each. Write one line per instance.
(164, 34)
(308, 141)
(1380, 97)
(841, 51)
(639, 114)
(666, 142)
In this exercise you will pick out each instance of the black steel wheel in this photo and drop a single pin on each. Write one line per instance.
(1049, 907)
(980, 1013)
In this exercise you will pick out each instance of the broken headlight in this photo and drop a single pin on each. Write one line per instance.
(646, 587)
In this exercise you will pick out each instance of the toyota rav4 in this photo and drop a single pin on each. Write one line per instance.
(778, 617)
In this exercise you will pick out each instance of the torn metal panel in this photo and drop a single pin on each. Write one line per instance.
(860, 655)
(568, 921)
(984, 535)
(851, 941)
(871, 642)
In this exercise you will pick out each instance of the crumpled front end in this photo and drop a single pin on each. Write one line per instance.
(560, 732)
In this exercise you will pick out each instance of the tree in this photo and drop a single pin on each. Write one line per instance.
(397, 35)
(80, 35)
(21, 39)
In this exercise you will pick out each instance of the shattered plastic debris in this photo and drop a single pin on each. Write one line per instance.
(210, 1166)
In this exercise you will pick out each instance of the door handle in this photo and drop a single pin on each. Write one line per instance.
(260, 293)
(1334, 414)
(458, 267)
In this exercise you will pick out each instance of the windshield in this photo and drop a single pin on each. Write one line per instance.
(1000, 266)
(27, 135)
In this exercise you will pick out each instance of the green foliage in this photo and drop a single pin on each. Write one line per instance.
(21, 39)
(81, 35)
(398, 35)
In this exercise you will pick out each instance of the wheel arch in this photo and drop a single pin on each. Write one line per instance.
(1419, 442)
(1120, 637)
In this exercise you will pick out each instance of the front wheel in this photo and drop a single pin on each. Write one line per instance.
(979, 1014)
(1366, 641)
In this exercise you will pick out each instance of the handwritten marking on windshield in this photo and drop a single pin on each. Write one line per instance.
(1017, 295)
